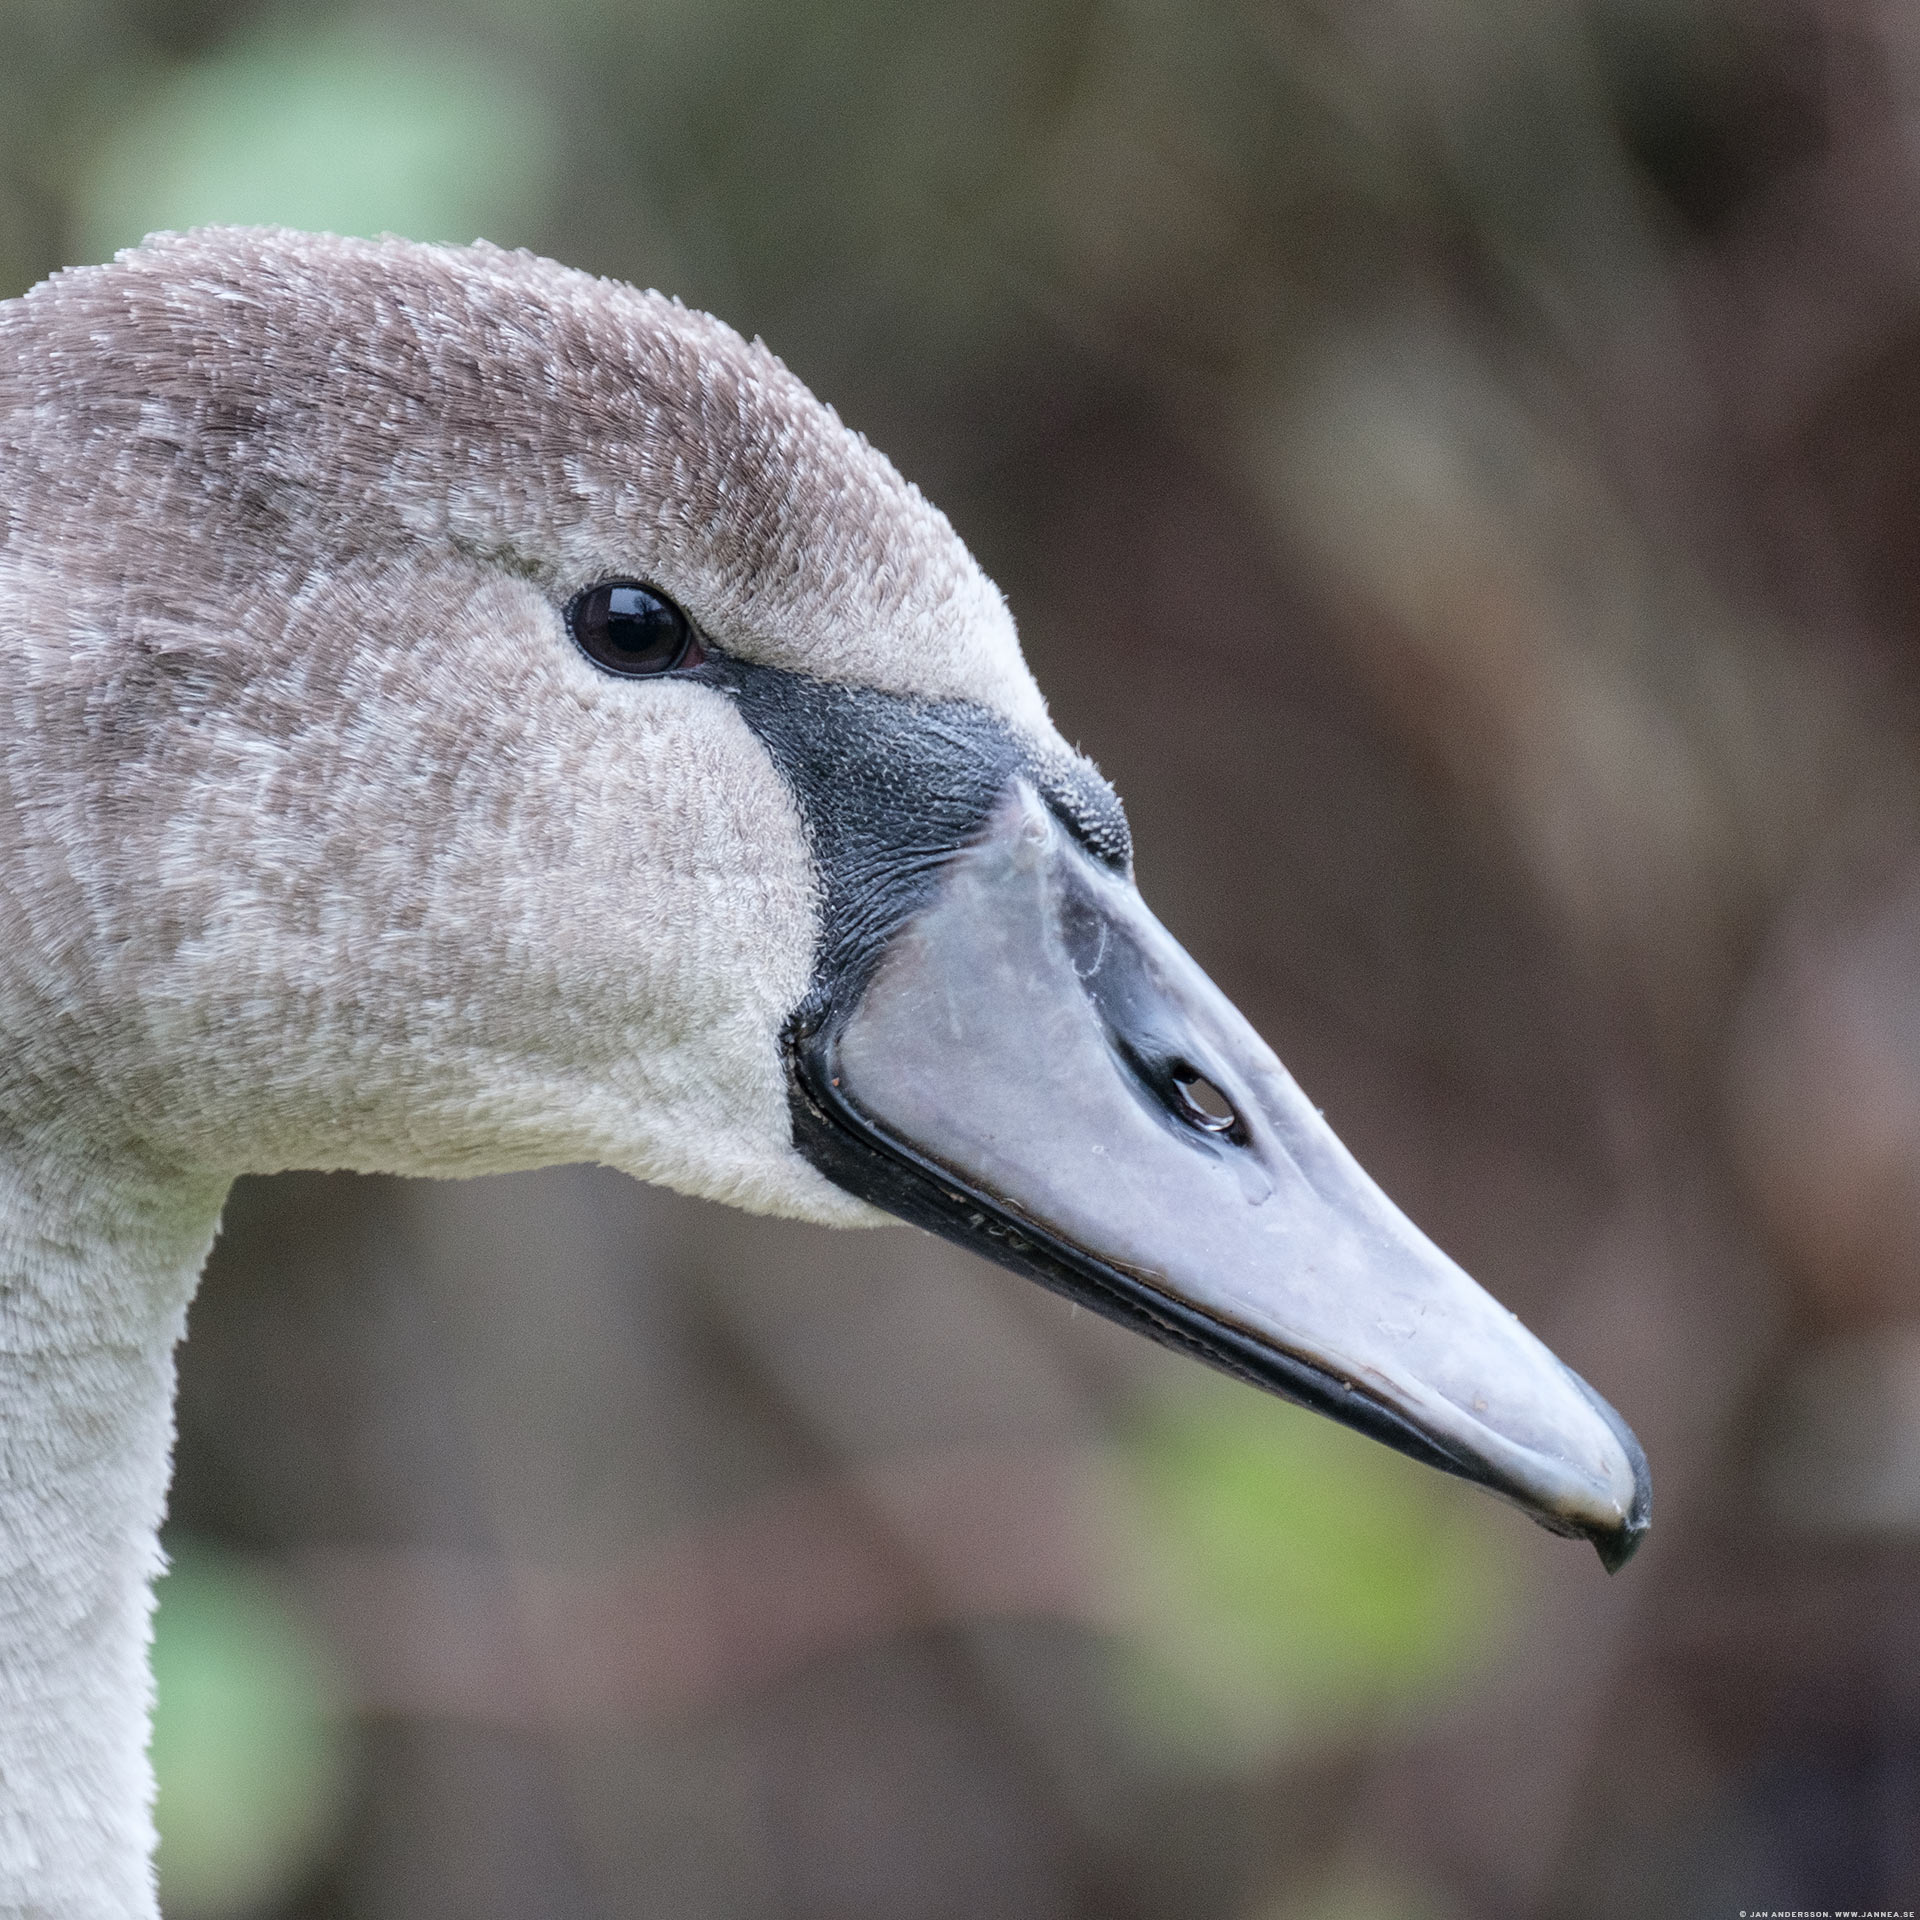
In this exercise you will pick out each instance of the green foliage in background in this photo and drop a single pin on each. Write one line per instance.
(1304, 1577)
(337, 131)
(250, 1759)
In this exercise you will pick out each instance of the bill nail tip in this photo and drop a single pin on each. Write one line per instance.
(1617, 1547)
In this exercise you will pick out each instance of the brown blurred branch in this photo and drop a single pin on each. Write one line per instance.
(715, 1614)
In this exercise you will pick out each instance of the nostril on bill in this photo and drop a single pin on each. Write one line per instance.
(1203, 1105)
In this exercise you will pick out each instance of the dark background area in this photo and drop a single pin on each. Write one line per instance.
(1456, 464)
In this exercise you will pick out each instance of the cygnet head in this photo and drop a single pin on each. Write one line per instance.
(469, 715)
(351, 855)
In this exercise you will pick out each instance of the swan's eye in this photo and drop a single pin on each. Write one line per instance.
(630, 629)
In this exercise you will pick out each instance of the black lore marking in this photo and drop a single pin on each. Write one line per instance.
(890, 789)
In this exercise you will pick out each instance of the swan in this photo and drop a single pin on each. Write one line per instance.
(464, 715)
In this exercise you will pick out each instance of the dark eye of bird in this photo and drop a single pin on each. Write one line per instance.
(631, 629)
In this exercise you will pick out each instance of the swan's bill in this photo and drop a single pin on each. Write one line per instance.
(1036, 1068)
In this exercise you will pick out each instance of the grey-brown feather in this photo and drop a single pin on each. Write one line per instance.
(282, 393)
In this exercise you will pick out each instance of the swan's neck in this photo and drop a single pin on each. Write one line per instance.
(95, 1275)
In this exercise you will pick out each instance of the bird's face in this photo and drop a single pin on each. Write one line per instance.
(506, 719)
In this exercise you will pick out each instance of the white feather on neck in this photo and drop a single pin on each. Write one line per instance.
(95, 1275)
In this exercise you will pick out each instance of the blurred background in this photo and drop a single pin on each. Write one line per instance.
(1456, 464)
